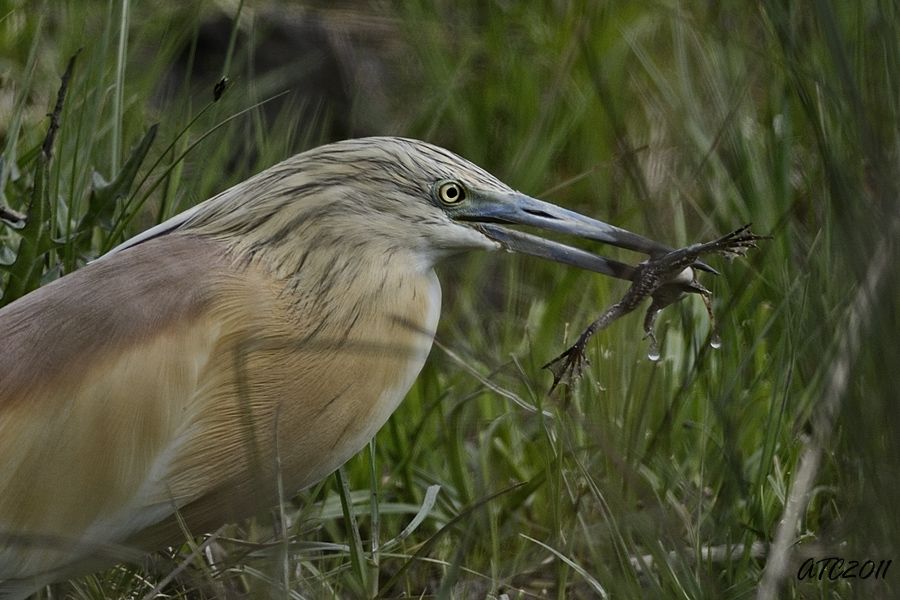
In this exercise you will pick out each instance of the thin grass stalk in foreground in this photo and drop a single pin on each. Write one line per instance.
(357, 556)
(376, 521)
(119, 88)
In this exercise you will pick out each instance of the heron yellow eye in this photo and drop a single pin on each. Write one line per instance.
(451, 193)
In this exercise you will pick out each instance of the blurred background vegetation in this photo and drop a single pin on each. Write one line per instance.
(679, 120)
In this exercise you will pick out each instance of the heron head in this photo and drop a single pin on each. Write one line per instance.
(436, 203)
(428, 197)
(387, 196)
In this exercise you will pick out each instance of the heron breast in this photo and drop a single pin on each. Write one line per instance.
(367, 380)
(298, 397)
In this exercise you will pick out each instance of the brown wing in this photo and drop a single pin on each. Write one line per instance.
(94, 369)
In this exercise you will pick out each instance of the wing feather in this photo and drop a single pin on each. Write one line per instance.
(89, 368)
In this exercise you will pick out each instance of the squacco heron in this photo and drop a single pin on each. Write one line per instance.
(275, 326)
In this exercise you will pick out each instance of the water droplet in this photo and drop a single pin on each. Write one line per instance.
(715, 341)
(653, 351)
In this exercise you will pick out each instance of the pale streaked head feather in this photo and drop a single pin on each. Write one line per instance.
(370, 194)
